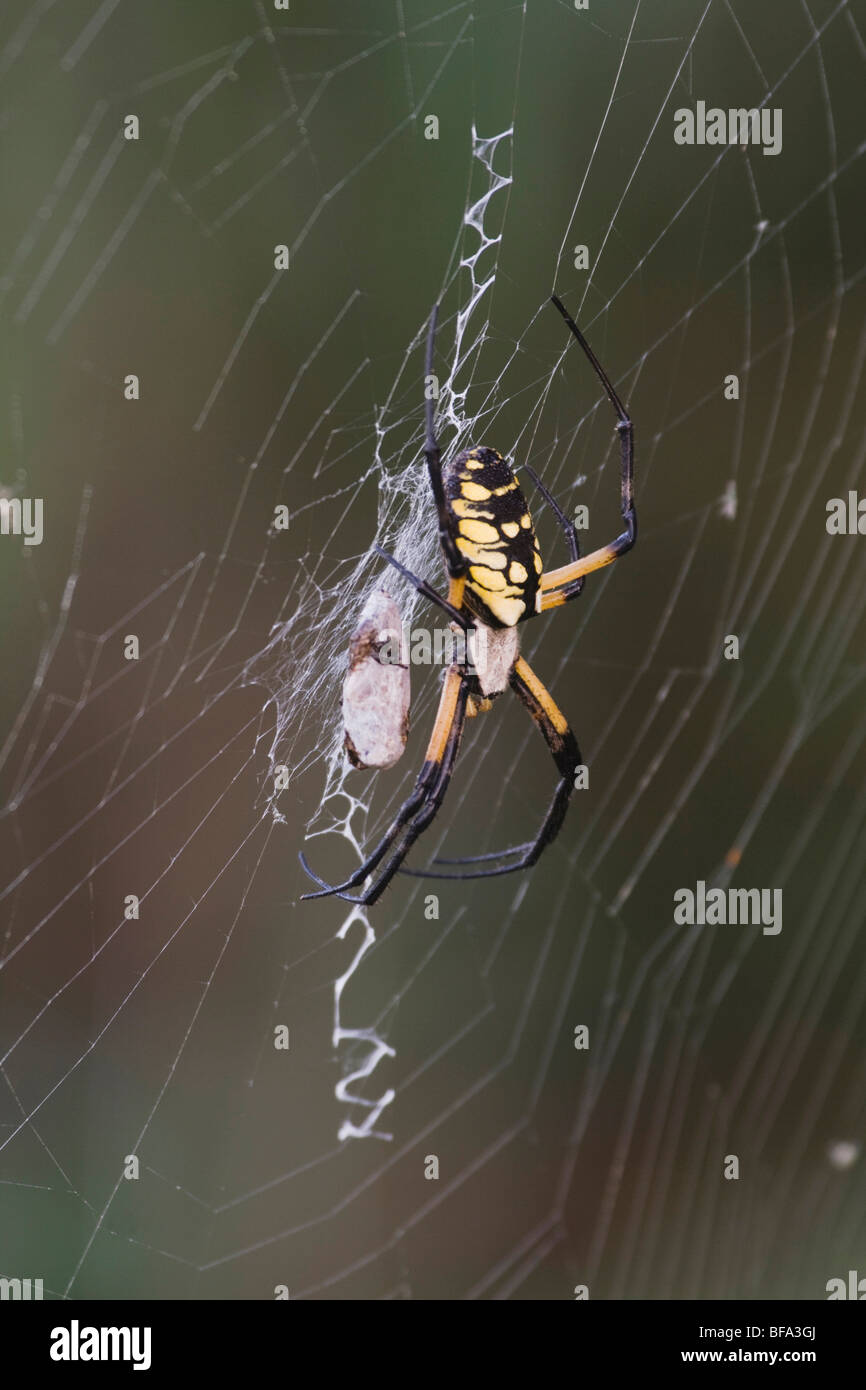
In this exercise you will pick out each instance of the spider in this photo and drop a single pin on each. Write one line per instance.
(495, 580)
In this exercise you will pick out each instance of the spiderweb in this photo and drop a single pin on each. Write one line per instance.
(157, 1139)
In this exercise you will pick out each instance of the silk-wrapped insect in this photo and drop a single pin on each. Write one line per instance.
(376, 690)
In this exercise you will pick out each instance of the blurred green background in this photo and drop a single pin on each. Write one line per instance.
(154, 1036)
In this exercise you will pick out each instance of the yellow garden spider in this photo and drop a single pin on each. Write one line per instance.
(496, 580)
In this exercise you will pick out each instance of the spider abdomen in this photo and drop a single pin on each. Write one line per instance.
(493, 530)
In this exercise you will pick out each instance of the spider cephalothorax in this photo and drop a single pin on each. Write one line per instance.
(496, 581)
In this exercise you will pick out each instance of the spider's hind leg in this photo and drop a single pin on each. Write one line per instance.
(420, 806)
(566, 754)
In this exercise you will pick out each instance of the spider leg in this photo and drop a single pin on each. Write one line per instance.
(455, 590)
(479, 858)
(560, 585)
(421, 805)
(568, 527)
(566, 754)
(424, 816)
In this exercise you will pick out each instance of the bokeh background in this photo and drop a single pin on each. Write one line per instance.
(154, 1036)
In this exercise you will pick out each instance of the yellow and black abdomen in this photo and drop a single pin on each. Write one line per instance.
(493, 530)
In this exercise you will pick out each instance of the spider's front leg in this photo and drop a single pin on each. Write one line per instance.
(449, 605)
(559, 585)
(421, 805)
